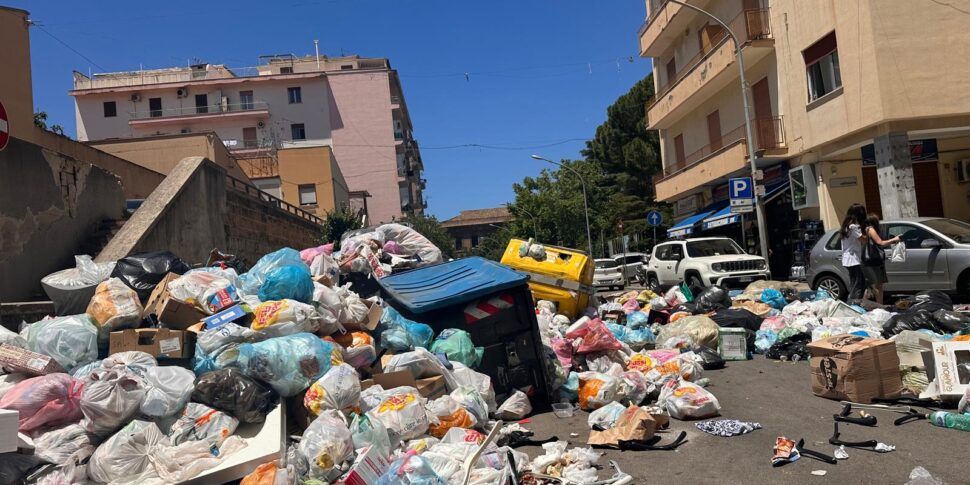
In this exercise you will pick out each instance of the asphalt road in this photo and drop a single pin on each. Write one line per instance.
(778, 395)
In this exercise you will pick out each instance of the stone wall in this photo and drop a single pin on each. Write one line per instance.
(254, 227)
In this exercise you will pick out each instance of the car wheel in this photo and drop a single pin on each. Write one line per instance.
(653, 282)
(833, 286)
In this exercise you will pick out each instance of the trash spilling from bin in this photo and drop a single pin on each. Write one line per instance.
(380, 363)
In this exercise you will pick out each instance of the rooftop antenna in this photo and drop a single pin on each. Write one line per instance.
(316, 48)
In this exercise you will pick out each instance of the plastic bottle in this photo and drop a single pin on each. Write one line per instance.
(946, 419)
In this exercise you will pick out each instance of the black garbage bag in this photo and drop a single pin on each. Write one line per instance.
(142, 271)
(931, 301)
(910, 320)
(685, 307)
(235, 393)
(794, 348)
(737, 318)
(712, 299)
(710, 359)
(951, 321)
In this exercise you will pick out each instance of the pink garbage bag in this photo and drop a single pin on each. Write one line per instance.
(564, 351)
(631, 305)
(598, 338)
(392, 247)
(51, 400)
(308, 254)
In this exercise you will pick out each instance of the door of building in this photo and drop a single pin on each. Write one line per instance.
(870, 186)
(671, 71)
(714, 130)
(249, 137)
(679, 151)
(764, 119)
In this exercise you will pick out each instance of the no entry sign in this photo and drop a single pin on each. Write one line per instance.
(4, 127)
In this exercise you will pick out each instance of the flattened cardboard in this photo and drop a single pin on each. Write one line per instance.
(429, 387)
(855, 368)
(950, 360)
(17, 359)
(158, 342)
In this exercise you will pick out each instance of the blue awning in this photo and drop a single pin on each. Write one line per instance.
(775, 189)
(720, 218)
(686, 226)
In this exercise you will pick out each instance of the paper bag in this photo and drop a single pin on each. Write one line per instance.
(634, 423)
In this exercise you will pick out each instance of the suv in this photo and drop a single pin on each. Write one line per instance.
(631, 263)
(937, 258)
(703, 262)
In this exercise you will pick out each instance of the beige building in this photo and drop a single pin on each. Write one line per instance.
(853, 101)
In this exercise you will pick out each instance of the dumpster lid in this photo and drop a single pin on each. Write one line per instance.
(452, 283)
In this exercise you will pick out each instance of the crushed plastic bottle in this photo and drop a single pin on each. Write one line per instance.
(946, 419)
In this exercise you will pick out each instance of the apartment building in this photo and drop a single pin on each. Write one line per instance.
(353, 106)
(860, 101)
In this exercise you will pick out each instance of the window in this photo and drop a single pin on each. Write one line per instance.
(295, 95)
(712, 247)
(154, 107)
(822, 67)
(346, 67)
(286, 70)
(245, 100)
(605, 264)
(953, 229)
(458, 243)
(308, 194)
(250, 139)
(834, 244)
(474, 241)
(110, 109)
(297, 131)
(269, 185)
(911, 236)
(201, 103)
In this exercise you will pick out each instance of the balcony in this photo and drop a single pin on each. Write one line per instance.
(709, 72)
(192, 114)
(712, 163)
(663, 27)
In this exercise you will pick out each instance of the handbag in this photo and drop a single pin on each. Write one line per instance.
(873, 254)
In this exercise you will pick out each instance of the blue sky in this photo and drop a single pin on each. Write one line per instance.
(540, 72)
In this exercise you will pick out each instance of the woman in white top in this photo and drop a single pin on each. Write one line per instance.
(852, 241)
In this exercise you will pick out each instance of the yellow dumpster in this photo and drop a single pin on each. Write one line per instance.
(565, 277)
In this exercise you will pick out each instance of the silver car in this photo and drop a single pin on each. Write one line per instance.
(937, 258)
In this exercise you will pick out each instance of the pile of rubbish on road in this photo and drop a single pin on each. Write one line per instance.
(379, 363)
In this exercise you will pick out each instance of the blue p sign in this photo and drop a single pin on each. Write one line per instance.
(741, 188)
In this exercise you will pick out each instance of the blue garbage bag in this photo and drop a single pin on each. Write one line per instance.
(410, 469)
(821, 294)
(399, 334)
(636, 320)
(289, 364)
(569, 392)
(290, 282)
(764, 339)
(634, 337)
(252, 281)
(774, 298)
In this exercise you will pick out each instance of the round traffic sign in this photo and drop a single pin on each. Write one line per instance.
(4, 127)
(654, 218)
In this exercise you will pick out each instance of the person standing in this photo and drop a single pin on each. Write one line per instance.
(852, 240)
(875, 272)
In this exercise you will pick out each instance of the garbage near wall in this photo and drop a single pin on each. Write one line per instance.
(171, 373)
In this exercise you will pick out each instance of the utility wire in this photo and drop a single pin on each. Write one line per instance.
(65, 44)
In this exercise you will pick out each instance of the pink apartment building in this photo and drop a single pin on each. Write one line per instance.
(351, 104)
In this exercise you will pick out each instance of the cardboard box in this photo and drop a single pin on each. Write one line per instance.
(235, 313)
(9, 422)
(855, 368)
(178, 315)
(429, 387)
(951, 365)
(17, 359)
(732, 343)
(374, 314)
(158, 294)
(367, 468)
(158, 342)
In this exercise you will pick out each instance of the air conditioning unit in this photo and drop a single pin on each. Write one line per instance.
(135, 98)
(260, 124)
(963, 170)
(182, 92)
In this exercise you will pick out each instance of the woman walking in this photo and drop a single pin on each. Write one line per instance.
(852, 240)
(875, 271)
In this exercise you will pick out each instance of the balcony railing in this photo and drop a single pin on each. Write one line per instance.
(770, 133)
(273, 201)
(749, 25)
(213, 109)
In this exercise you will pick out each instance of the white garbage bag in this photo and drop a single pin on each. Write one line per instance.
(125, 456)
(168, 389)
(516, 407)
(898, 253)
(285, 317)
(402, 410)
(422, 363)
(131, 362)
(338, 389)
(176, 464)
(481, 382)
(110, 400)
(326, 445)
(114, 307)
(72, 340)
(199, 422)
(686, 400)
(412, 242)
(67, 444)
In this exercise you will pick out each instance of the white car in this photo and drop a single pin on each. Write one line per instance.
(703, 262)
(631, 263)
(608, 274)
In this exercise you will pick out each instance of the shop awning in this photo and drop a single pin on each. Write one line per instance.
(686, 226)
(720, 218)
(775, 189)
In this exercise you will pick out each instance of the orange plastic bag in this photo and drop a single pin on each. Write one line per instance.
(265, 474)
(596, 390)
(449, 415)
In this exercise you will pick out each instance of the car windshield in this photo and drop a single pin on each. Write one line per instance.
(953, 229)
(712, 247)
(632, 259)
(606, 264)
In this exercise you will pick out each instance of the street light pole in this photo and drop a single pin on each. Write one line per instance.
(752, 143)
(535, 227)
(582, 181)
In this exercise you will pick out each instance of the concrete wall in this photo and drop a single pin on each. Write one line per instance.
(194, 211)
(16, 93)
(163, 153)
(49, 204)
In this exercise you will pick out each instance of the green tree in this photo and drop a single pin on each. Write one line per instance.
(40, 120)
(337, 222)
(492, 246)
(430, 228)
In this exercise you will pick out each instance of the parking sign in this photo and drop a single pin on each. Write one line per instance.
(741, 192)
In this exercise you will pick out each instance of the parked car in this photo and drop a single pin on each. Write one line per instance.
(630, 263)
(608, 274)
(937, 258)
(703, 262)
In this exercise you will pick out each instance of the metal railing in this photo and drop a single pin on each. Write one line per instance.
(211, 109)
(251, 190)
(771, 135)
(748, 25)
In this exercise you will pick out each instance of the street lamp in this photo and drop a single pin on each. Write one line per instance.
(759, 206)
(589, 237)
(535, 227)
